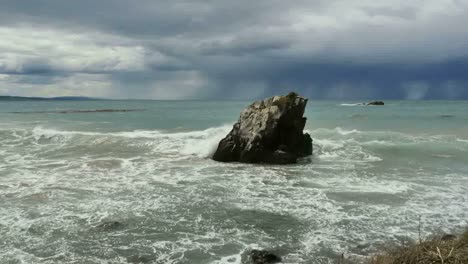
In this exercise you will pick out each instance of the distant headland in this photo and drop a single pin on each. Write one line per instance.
(61, 98)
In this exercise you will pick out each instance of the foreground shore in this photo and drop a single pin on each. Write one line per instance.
(445, 249)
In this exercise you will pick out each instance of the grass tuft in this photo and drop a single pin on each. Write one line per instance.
(436, 250)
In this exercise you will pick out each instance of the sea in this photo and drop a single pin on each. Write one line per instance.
(85, 186)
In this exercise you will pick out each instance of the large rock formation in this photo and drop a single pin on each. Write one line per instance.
(268, 131)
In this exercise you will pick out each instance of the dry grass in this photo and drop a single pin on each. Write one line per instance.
(440, 250)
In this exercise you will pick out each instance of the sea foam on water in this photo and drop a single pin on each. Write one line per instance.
(365, 183)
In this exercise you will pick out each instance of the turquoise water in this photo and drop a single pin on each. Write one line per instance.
(378, 175)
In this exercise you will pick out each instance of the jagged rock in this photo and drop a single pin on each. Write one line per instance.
(268, 131)
(376, 103)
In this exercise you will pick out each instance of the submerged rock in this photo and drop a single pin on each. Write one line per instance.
(376, 103)
(110, 225)
(263, 257)
(137, 259)
(446, 116)
(268, 131)
(448, 237)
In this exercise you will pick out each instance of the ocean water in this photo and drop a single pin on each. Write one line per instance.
(379, 176)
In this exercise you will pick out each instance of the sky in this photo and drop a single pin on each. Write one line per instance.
(243, 49)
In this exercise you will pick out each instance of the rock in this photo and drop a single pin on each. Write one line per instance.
(268, 131)
(263, 257)
(376, 103)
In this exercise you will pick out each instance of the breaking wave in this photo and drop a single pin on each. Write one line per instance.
(200, 143)
(355, 104)
(336, 144)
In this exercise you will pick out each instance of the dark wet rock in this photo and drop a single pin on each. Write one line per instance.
(376, 103)
(263, 257)
(268, 131)
(448, 237)
(110, 225)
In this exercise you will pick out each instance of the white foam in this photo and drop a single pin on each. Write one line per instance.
(206, 143)
(378, 143)
(200, 143)
(445, 156)
(48, 132)
(233, 259)
(348, 150)
(296, 191)
(39, 132)
(355, 104)
(343, 132)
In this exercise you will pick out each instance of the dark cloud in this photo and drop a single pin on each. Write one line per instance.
(162, 49)
(39, 66)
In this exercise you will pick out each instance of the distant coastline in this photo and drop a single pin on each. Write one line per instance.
(61, 98)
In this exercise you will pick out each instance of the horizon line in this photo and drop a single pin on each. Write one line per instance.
(89, 98)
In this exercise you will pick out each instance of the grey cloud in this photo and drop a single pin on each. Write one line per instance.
(35, 66)
(242, 49)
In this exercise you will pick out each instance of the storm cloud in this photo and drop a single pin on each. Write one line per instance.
(334, 49)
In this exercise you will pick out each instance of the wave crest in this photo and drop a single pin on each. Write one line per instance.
(200, 143)
(333, 145)
(204, 145)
